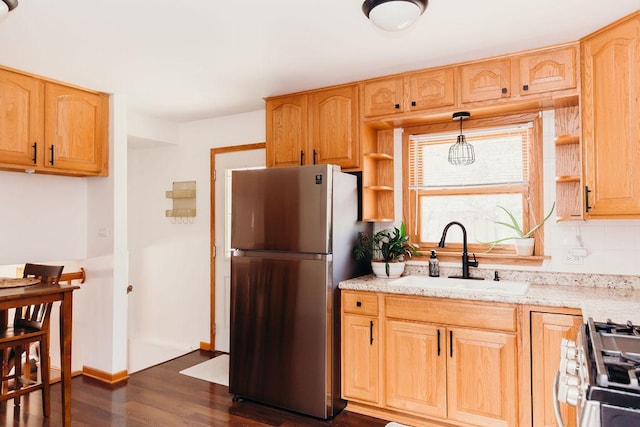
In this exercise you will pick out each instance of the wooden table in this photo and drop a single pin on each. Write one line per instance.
(43, 293)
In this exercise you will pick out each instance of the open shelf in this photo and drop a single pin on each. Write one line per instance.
(377, 177)
(568, 164)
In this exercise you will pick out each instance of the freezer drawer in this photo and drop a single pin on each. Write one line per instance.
(281, 337)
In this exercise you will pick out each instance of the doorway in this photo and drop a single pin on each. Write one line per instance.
(223, 161)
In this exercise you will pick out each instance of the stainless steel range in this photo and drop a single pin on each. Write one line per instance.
(599, 375)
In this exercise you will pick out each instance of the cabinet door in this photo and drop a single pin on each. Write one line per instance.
(360, 358)
(485, 81)
(383, 97)
(286, 143)
(415, 368)
(547, 332)
(548, 71)
(20, 119)
(481, 377)
(335, 123)
(431, 89)
(76, 130)
(610, 127)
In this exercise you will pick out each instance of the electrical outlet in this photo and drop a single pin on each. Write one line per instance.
(570, 258)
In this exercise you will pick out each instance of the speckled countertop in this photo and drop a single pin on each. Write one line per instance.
(601, 297)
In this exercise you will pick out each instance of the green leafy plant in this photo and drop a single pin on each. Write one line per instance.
(389, 245)
(515, 226)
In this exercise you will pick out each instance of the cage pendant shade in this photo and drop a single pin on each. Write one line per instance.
(393, 15)
(461, 153)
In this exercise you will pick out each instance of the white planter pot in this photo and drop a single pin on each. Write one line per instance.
(395, 269)
(524, 247)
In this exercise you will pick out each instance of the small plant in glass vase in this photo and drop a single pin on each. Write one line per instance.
(387, 250)
(523, 240)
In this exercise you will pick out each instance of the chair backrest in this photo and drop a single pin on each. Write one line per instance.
(37, 316)
(46, 273)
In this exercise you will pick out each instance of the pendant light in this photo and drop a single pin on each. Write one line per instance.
(461, 153)
(394, 15)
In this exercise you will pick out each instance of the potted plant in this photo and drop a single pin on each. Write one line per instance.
(523, 241)
(386, 250)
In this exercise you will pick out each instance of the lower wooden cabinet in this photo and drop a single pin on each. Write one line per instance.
(482, 380)
(440, 361)
(416, 368)
(547, 332)
(360, 347)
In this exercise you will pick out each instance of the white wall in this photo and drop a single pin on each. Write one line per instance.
(169, 262)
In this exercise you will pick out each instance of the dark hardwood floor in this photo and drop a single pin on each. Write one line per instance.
(161, 396)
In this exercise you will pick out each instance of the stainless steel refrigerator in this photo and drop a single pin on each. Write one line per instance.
(293, 233)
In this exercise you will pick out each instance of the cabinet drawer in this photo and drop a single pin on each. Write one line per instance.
(484, 316)
(360, 303)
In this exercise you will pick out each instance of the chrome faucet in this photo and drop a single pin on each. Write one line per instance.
(465, 256)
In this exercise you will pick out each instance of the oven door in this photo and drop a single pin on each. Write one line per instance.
(615, 416)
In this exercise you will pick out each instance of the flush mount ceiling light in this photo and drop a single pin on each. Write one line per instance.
(7, 6)
(461, 153)
(394, 15)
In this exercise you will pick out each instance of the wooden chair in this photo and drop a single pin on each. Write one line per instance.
(30, 325)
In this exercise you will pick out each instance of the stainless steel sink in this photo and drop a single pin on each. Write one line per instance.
(501, 287)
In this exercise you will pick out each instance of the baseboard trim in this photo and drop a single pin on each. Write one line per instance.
(56, 374)
(206, 346)
(105, 377)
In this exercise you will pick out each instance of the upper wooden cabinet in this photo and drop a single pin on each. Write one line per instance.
(485, 81)
(52, 128)
(317, 127)
(533, 75)
(417, 91)
(548, 70)
(76, 129)
(521, 76)
(610, 108)
(287, 130)
(20, 120)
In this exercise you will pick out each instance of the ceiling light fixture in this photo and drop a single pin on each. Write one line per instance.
(461, 153)
(394, 15)
(7, 6)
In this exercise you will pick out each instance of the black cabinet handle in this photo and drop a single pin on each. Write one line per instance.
(397, 106)
(525, 87)
(504, 90)
(51, 161)
(413, 103)
(438, 342)
(586, 198)
(301, 157)
(450, 343)
(358, 304)
(370, 332)
(35, 153)
(314, 156)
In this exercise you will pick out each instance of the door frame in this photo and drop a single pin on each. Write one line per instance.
(212, 227)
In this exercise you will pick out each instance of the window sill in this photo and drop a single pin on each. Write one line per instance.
(486, 258)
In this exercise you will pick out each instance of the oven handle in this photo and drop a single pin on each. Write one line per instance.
(556, 402)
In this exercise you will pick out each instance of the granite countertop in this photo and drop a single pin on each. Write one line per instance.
(618, 300)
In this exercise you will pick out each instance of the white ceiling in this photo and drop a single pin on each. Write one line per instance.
(183, 60)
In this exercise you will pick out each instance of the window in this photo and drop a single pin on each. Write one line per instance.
(508, 151)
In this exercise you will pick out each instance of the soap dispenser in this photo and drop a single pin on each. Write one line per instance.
(434, 265)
